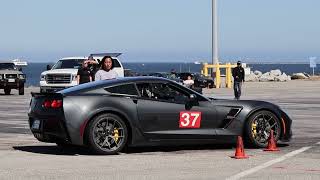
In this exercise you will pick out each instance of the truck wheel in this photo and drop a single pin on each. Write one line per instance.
(7, 91)
(21, 90)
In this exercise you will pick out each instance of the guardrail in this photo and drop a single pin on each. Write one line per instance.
(227, 66)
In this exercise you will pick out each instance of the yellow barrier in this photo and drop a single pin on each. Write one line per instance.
(217, 82)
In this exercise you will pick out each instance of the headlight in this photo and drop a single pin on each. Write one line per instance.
(22, 76)
(74, 77)
(1, 76)
(42, 77)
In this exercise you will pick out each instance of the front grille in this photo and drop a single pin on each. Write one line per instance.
(12, 76)
(58, 78)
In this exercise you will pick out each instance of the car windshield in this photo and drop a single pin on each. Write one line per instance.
(7, 66)
(68, 64)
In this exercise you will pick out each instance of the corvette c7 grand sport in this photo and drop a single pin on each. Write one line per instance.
(108, 115)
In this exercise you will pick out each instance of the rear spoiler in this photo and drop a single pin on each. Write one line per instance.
(57, 95)
(106, 54)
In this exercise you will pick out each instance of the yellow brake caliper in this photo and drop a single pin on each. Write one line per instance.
(116, 134)
(254, 129)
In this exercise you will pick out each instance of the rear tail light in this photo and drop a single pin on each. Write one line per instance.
(52, 104)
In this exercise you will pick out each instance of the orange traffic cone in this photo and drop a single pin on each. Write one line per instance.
(240, 150)
(272, 145)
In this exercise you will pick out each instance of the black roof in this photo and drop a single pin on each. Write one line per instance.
(103, 83)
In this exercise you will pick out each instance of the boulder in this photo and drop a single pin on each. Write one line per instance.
(275, 73)
(266, 77)
(289, 78)
(258, 73)
(251, 77)
(281, 78)
(298, 76)
(307, 75)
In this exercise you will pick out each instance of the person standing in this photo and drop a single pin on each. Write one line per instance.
(93, 66)
(84, 73)
(173, 74)
(106, 71)
(238, 79)
(189, 82)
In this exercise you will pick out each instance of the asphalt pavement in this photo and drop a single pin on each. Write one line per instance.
(23, 157)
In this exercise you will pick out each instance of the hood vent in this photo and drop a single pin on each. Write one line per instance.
(230, 117)
(233, 113)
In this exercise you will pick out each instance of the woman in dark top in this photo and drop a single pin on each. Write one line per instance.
(84, 73)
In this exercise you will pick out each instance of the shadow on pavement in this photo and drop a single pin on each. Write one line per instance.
(177, 149)
(54, 150)
(79, 150)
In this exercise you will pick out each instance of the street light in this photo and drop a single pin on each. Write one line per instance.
(214, 33)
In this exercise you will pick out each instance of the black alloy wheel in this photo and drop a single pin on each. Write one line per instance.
(259, 126)
(107, 134)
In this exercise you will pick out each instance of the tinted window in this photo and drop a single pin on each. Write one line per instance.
(128, 89)
(161, 91)
(68, 64)
(7, 66)
(116, 63)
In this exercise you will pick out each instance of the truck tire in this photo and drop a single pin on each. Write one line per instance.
(21, 90)
(7, 91)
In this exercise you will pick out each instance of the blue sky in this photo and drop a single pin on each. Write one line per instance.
(162, 30)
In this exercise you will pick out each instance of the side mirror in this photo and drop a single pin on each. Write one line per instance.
(193, 97)
(192, 101)
(19, 69)
(48, 67)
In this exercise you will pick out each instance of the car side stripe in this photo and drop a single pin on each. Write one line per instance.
(83, 127)
(284, 126)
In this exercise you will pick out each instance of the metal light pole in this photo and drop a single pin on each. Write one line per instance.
(214, 33)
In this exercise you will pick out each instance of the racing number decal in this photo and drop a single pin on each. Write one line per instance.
(189, 119)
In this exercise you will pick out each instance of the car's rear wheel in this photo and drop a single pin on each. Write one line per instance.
(7, 91)
(107, 134)
(259, 126)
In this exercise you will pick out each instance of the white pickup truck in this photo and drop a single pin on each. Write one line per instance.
(64, 73)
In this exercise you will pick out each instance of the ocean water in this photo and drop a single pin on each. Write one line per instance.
(33, 70)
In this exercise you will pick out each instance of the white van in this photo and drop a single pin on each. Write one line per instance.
(64, 73)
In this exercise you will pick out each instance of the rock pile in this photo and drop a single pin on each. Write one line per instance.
(273, 75)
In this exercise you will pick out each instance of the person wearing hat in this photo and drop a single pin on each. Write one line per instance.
(238, 79)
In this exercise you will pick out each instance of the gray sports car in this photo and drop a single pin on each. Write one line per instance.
(108, 115)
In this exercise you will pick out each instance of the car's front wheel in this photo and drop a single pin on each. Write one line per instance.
(258, 128)
(107, 134)
(21, 89)
(7, 91)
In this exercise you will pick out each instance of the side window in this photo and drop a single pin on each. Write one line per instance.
(116, 63)
(162, 92)
(126, 89)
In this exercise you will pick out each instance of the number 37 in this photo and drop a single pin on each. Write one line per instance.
(189, 119)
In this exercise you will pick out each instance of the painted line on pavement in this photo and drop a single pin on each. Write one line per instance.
(267, 164)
